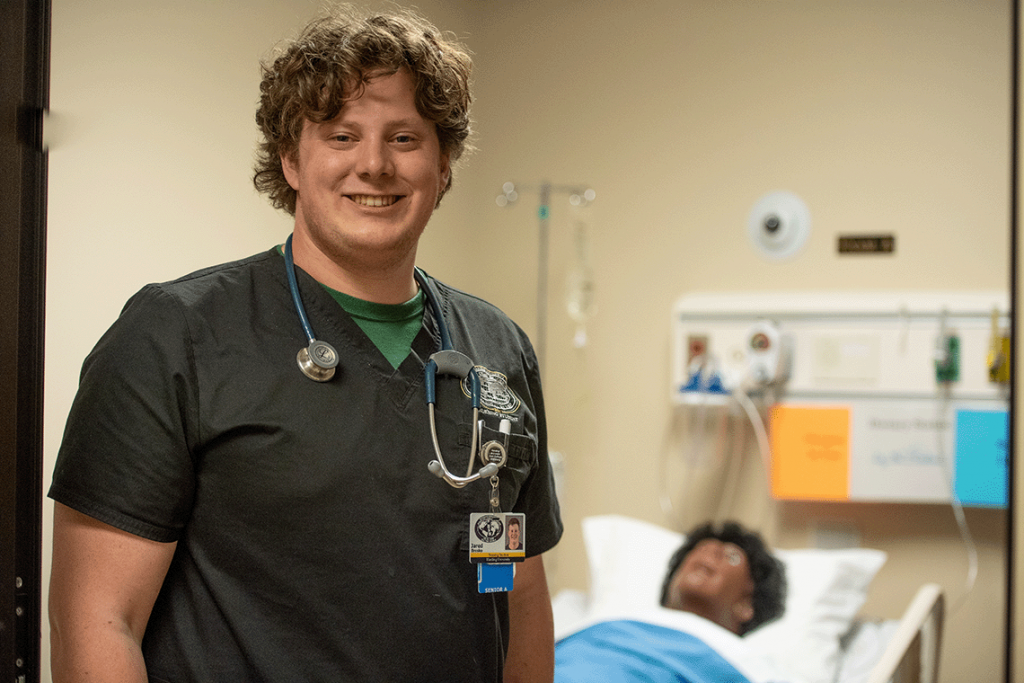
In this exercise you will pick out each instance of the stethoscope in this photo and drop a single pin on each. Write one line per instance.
(319, 360)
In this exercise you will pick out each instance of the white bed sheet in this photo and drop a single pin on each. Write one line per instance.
(826, 588)
(863, 648)
(860, 649)
(572, 616)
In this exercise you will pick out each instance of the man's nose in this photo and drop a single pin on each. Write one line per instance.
(375, 159)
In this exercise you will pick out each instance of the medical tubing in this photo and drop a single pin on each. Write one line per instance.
(760, 431)
(705, 369)
(293, 285)
(430, 383)
(474, 390)
(448, 361)
(732, 477)
(667, 449)
(476, 433)
(664, 495)
(435, 303)
(457, 481)
(444, 474)
(972, 554)
(958, 508)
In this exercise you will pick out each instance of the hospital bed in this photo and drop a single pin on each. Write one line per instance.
(820, 639)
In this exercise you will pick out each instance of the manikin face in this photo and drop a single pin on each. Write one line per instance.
(714, 582)
(368, 180)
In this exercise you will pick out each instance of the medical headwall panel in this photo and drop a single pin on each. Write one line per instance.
(880, 396)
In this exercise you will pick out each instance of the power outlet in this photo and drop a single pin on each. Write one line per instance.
(696, 347)
(767, 354)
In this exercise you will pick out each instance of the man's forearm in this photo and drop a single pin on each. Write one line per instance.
(531, 651)
(103, 583)
(104, 654)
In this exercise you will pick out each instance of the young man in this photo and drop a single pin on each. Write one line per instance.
(513, 534)
(221, 516)
(726, 575)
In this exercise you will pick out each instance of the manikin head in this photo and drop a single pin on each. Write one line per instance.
(726, 575)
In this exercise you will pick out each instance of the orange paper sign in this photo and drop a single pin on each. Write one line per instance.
(810, 452)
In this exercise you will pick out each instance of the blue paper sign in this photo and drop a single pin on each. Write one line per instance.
(982, 438)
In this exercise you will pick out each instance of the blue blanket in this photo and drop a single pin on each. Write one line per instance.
(626, 651)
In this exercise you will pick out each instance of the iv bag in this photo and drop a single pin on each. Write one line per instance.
(579, 284)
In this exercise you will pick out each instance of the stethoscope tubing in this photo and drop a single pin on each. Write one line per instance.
(446, 361)
(293, 287)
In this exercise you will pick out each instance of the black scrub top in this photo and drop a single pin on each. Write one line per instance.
(312, 542)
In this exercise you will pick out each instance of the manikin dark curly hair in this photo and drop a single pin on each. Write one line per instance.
(766, 571)
(331, 61)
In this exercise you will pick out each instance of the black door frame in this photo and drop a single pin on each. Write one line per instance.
(1011, 665)
(24, 97)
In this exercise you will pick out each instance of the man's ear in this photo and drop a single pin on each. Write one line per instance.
(446, 172)
(290, 166)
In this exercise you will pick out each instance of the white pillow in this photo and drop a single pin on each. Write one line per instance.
(628, 559)
(826, 588)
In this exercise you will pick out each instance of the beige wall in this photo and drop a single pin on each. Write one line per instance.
(883, 116)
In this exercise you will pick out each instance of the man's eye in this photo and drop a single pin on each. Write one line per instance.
(403, 138)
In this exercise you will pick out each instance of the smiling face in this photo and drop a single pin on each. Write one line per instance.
(367, 182)
(713, 581)
(513, 536)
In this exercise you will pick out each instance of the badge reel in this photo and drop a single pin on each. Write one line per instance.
(496, 539)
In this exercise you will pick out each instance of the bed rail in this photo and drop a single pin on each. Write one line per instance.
(913, 652)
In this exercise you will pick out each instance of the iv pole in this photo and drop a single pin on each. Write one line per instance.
(578, 196)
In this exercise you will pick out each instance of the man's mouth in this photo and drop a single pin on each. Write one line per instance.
(374, 199)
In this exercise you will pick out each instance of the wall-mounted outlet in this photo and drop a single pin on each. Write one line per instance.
(768, 353)
(696, 347)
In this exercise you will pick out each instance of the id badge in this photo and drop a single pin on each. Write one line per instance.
(497, 537)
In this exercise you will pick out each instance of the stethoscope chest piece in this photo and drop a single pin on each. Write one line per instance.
(318, 361)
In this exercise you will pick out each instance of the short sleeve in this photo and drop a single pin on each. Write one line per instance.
(538, 500)
(126, 458)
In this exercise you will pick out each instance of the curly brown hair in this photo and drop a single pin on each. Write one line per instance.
(331, 61)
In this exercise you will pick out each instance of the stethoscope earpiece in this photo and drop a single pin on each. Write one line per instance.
(438, 469)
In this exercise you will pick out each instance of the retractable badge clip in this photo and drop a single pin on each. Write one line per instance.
(497, 539)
